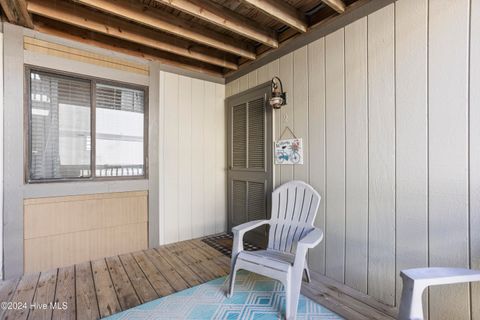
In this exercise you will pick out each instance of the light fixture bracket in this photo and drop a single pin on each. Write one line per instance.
(278, 97)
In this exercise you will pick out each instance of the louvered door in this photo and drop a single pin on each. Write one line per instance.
(250, 165)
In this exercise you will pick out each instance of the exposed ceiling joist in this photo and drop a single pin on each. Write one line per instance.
(169, 23)
(337, 5)
(282, 12)
(16, 12)
(105, 42)
(324, 26)
(115, 27)
(224, 18)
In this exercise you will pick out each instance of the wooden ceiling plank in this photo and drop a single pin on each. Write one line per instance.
(16, 12)
(169, 23)
(290, 42)
(337, 5)
(282, 12)
(223, 18)
(82, 17)
(105, 42)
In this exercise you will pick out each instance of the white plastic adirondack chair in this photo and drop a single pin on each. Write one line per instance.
(294, 207)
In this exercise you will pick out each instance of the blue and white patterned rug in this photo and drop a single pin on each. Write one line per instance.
(255, 297)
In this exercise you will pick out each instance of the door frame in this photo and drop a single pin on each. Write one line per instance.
(257, 91)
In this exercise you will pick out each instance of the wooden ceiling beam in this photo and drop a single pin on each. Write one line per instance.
(16, 12)
(99, 40)
(84, 18)
(224, 18)
(169, 23)
(282, 12)
(337, 5)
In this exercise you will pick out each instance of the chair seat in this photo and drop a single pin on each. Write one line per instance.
(269, 258)
(442, 275)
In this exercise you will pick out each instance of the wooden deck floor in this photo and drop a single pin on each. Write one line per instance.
(100, 288)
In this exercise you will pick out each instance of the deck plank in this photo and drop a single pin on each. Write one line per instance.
(187, 274)
(141, 284)
(86, 298)
(222, 260)
(7, 289)
(219, 258)
(158, 282)
(206, 259)
(107, 298)
(103, 287)
(182, 252)
(335, 296)
(168, 272)
(126, 294)
(65, 293)
(23, 295)
(326, 300)
(44, 295)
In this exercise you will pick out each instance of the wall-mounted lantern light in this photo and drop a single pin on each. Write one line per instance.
(278, 98)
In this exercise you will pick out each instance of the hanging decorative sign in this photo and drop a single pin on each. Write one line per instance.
(289, 151)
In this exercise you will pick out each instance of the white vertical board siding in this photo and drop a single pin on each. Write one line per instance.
(274, 70)
(409, 76)
(475, 151)
(243, 83)
(1, 155)
(356, 155)
(412, 137)
(209, 157)
(234, 87)
(185, 158)
(220, 159)
(448, 151)
(198, 150)
(252, 79)
(300, 119)
(287, 111)
(316, 134)
(228, 89)
(161, 159)
(381, 126)
(262, 74)
(193, 158)
(171, 159)
(335, 146)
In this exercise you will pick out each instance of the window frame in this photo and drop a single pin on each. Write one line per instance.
(93, 81)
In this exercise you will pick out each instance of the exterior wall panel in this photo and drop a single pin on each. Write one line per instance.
(193, 174)
(409, 77)
(62, 231)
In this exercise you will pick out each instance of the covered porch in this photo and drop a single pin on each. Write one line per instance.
(133, 132)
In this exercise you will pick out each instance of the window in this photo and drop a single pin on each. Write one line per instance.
(63, 144)
(119, 131)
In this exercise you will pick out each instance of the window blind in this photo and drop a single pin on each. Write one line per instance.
(60, 133)
(118, 98)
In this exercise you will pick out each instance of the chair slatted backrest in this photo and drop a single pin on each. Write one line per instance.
(294, 207)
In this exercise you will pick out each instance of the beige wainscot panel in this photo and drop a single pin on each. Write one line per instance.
(62, 231)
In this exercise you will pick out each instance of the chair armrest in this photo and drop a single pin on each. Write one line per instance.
(238, 233)
(312, 239)
(247, 226)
